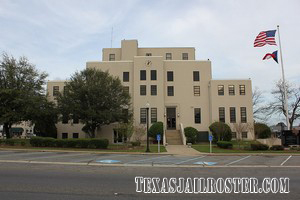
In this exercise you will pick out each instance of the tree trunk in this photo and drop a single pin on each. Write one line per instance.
(6, 129)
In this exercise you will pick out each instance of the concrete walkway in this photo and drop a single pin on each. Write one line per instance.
(181, 150)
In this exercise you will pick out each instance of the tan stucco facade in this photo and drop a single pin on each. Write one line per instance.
(186, 97)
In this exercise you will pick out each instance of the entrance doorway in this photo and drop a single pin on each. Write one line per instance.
(171, 118)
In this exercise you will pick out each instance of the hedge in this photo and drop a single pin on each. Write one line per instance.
(13, 142)
(277, 148)
(71, 143)
(224, 144)
(256, 147)
(262, 130)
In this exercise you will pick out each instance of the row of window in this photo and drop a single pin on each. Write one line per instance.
(185, 56)
(244, 135)
(153, 75)
(66, 135)
(143, 115)
(232, 112)
(231, 90)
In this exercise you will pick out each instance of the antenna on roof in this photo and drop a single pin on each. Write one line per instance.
(111, 40)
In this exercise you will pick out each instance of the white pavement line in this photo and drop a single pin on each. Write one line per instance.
(147, 159)
(22, 154)
(238, 160)
(285, 160)
(188, 160)
(53, 156)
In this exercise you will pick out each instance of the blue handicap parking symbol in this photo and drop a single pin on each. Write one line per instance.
(108, 161)
(205, 163)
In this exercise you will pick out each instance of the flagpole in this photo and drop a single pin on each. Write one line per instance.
(284, 85)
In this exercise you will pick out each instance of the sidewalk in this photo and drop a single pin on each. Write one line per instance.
(183, 150)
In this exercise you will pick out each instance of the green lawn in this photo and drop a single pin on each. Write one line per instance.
(111, 148)
(205, 148)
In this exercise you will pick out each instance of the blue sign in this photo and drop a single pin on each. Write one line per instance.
(210, 137)
(158, 137)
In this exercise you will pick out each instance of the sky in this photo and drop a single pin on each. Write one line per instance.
(60, 36)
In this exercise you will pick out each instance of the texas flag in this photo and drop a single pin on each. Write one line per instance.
(271, 55)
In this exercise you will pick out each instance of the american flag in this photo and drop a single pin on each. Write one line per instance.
(265, 37)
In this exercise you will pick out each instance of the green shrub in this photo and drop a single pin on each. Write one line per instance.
(224, 144)
(135, 144)
(10, 142)
(262, 131)
(220, 131)
(83, 143)
(190, 134)
(277, 148)
(71, 143)
(295, 148)
(256, 147)
(98, 143)
(156, 128)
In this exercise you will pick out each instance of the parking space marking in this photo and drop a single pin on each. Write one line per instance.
(147, 159)
(53, 156)
(285, 160)
(23, 153)
(188, 160)
(238, 160)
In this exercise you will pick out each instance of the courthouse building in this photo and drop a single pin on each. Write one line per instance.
(178, 89)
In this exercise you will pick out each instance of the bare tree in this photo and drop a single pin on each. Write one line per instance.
(240, 128)
(277, 106)
(258, 109)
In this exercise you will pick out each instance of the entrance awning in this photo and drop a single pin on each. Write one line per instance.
(16, 130)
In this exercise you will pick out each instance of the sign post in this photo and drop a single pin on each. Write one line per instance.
(158, 142)
(210, 138)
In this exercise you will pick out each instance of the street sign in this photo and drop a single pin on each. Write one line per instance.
(210, 138)
(158, 138)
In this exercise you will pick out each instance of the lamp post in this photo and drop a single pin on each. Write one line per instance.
(147, 121)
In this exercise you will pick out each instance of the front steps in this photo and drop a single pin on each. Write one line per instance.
(173, 137)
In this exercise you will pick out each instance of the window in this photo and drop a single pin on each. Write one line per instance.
(143, 115)
(244, 134)
(153, 75)
(65, 119)
(125, 76)
(222, 114)
(126, 89)
(75, 135)
(196, 75)
(143, 90)
(153, 115)
(197, 113)
(55, 90)
(153, 90)
(112, 57)
(170, 91)
(143, 75)
(185, 56)
(148, 54)
(64, 135)
(168, 56)
(220, 90)
(243, 115)
(75, 119)
(242, 90)
(119, 137)
(170, 76)
(231, 90)
(196, 90)
(232, 115)
(233, 134)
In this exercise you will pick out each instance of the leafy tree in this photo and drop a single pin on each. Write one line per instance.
(44, 118)
(277, 106)
(21, 87)
(96, 98)
(262, 130)
(221, 131)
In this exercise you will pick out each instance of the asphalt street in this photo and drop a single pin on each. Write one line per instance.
(21, 181)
